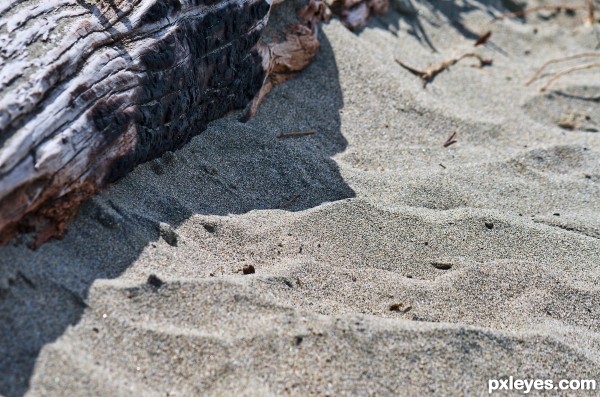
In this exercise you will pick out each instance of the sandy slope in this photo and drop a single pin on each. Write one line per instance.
(339, 226)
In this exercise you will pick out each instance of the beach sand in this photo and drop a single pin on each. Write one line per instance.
(364, 258)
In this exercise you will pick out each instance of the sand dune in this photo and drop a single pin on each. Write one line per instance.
(487, 251)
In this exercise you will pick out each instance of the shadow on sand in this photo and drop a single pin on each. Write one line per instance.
(231, 168)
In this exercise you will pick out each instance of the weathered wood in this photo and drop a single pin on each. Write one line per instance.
(90, 89)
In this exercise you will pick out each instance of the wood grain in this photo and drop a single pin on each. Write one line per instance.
(90, 89)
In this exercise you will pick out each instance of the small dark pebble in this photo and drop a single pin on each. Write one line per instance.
(154, 281)
(409, 276)
(588, 176)
(556, 214)
(489, 225)
(96, 330)
(248, 269)
(299, 340)
(441, 266)
(209, 228)
(400, 307)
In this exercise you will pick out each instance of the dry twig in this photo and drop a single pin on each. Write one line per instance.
(483, 38)
(296, 134)
(450, 140)
(539, 71)
(567, 71)
(429, 74)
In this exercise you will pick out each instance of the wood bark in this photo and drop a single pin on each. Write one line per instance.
(91, 88)
(88, 90)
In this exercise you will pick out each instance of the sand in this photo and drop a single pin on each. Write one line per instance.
(488, 250)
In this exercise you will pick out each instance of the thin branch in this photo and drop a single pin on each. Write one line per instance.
(296, 134)
(539, 71)
(483, 38)
(450, 140)
(567, 71)
(428, 75)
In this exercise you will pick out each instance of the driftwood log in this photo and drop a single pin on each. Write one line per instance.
(91, 88)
